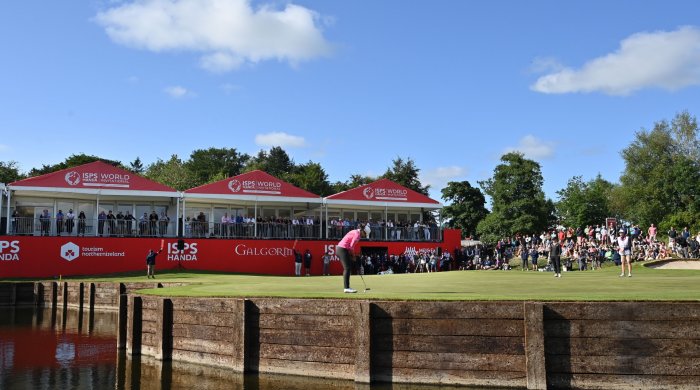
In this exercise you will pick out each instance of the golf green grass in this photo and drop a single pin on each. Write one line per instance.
(647, 284)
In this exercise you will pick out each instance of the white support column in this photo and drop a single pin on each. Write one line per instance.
(255, 219)
(386, 220)
(97, 216)
(7, 229)
(177, 217)
(184, 217)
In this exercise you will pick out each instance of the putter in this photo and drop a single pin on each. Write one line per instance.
(363, 282)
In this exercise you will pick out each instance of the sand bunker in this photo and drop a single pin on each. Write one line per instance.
(677, 264)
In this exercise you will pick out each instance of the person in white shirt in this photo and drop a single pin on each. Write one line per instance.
(70, 221)
(225, 221)
(624, 245)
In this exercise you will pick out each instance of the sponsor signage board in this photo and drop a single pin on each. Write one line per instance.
(48, 257)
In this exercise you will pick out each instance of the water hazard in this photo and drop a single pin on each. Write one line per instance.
(56, 349)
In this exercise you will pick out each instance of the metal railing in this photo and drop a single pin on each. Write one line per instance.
(383, 233)
(194, 229)
(271, 230)
(27, 226)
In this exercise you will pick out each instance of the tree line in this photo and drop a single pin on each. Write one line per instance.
(660, 183)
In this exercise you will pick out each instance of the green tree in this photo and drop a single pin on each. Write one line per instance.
(73, 160)
(311, 177)
(136, 166)
(518, 204)
(406, 174)
(584, 203)
(355, 181)
(276, 162)
(209, 165)
(466, 208)
(172, 173)
(9, 172)
(661, 167)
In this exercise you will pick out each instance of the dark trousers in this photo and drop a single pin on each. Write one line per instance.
(346, 260)
(556, 262)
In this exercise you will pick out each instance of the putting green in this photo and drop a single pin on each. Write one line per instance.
(647, 284)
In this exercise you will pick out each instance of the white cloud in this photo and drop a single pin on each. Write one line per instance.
(227, 33)
(280, 139)
(229, 88)
(178, 92)
(437, 178)
(533, 148)
(4, 148)
(662, 59)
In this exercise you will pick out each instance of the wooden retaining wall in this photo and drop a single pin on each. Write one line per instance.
(502, 344)
(625, 345)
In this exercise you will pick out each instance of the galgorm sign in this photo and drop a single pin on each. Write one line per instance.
(245, 250)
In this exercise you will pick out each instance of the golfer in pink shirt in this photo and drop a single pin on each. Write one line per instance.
(345, 251)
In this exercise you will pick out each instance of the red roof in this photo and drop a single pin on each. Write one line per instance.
(381, 191)
(94, 175)
(253, 183)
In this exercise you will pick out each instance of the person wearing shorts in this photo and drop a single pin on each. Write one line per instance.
(625, 249)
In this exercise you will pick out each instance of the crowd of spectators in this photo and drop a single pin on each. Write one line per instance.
(582, 248)
(418, 262)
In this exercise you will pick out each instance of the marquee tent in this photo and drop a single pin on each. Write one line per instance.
(255, 189)
(96, 181)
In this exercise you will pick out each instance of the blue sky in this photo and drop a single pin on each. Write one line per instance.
(348, 84)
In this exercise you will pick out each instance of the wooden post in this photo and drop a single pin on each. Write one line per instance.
(64, 295)
(239, 341)
(363, 342)
(91, 297)
(164, 329)
(81, 296)
(54, 295)
(122, 321)
(133, 341)
(534, 346)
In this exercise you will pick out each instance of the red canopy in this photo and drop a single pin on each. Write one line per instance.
(382, 192)
(253, 185)
(92, 178)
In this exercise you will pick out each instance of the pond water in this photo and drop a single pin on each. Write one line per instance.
(56, 349)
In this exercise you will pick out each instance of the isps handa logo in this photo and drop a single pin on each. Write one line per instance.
(70, 251)
(72, 178)
(189, 252)
(9, 250)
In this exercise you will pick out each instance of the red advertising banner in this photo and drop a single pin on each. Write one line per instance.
(51, 257)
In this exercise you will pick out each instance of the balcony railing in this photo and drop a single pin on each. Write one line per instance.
(195, 229)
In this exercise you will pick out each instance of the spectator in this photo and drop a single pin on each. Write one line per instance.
(307, 262)
(59, 222)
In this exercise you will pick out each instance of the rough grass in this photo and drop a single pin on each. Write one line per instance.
(601, 285)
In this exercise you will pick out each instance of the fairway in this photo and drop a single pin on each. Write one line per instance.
(601, 285)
